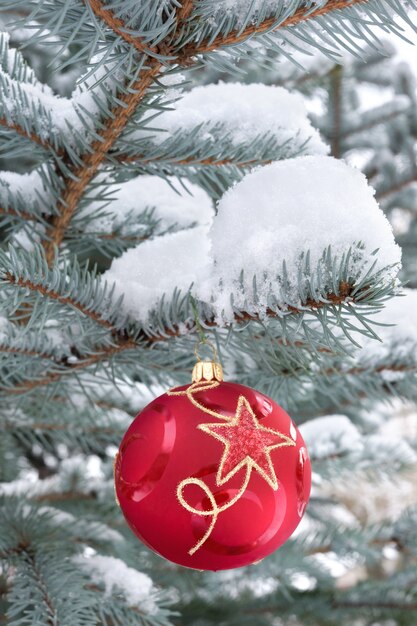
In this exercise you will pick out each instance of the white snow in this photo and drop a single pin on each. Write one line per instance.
(282, 210)
(170, 203)
(244, 112)
(331, 435)
(66, 117)
(29, 187)
(276, 213)
(143, 274)
(117, 577)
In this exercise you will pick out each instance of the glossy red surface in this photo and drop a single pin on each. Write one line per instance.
(218, 498)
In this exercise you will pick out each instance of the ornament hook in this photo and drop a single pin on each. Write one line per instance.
(207, 370)
(205, 342)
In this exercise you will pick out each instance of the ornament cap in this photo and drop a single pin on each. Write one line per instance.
(206, 371)
(209, 369)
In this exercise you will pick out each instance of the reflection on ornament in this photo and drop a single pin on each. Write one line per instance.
(248, 445)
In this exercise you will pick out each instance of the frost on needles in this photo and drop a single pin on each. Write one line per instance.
(277, 232)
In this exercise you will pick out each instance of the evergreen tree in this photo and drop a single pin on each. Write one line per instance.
(125, 239)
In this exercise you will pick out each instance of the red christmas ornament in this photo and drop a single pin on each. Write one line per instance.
(213, 475)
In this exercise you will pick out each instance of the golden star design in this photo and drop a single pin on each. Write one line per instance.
(247, 443)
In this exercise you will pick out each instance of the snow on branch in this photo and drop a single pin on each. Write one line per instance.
(116, 576)
(335, 23)
(281, 219)
(145, 273)
(333, 435)
(234, 115)
(290, 232)
(166, 204)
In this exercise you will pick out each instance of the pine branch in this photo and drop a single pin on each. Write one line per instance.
(118, 26)
(357, 371)
(185, 11)
(17, 214)
(54, 295)
(76, 184)
(270, 24)
(31, 136)
(191, 161)
(28, 353)
(53, 617)
(52, 377)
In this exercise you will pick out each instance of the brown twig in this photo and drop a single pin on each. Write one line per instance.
(357, 371)
(185, 11)
(53, 617)
(32, 136)
(66, 496)
(118, 26)
(191, 161)
(24, 352)
(82, 175)
(54, 295)
(270, 24)
(18, 214)
(52, 377)
(21, 547)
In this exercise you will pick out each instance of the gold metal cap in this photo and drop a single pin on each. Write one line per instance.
(206, 370)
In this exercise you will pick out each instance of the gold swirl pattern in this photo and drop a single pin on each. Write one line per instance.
(247, 444)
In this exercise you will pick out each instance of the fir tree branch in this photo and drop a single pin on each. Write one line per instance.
(54, 295)
(67, 368)
(118, 26)
(357, 371)
(30, 560)
(191, 161)
(76, 184)
(28, 353)
(31, 136)
(185, 11)
(17, 214)
(21, 547)
(270, 24)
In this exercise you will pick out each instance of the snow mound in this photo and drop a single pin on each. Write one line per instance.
(169, 203)
(246, 112)
(279, 212)
(145, 273)
(331, 435)
(275, 215)
(116, 576)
